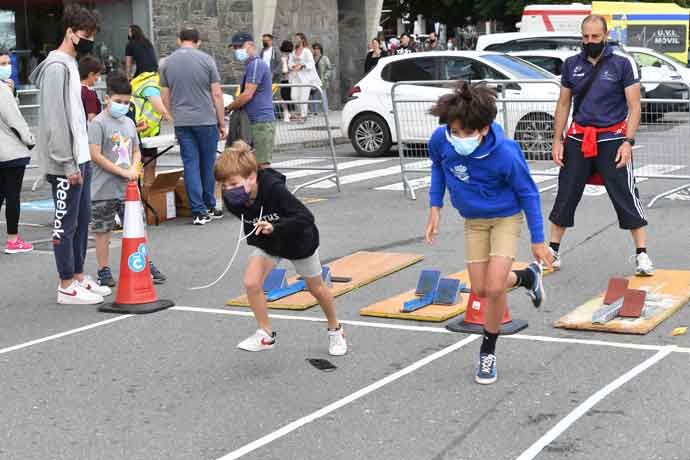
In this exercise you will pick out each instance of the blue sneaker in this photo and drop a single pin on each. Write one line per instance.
(105, 277)
(536, 291)
(486, 369)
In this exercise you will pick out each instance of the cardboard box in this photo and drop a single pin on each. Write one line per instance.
(160, 196)
(182, 201)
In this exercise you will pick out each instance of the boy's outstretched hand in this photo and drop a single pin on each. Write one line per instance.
(264, 228)
(542, 254)
(432, 225)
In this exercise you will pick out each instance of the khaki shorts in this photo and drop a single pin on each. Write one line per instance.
(103, 214)
(263, 137)
(306, 268)
(486, 238)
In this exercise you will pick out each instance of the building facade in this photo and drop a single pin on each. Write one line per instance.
(343, 27)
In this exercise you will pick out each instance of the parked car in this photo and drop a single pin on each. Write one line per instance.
(650, 75)
(368, 114)
(647, 57)
(527, 41)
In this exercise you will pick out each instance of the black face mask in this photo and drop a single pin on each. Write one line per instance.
(593, 50)
(84, 46)
(266, 45)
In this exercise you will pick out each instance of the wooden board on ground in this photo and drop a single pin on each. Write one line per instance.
(667, 292)
(390, 308)
(363, 267)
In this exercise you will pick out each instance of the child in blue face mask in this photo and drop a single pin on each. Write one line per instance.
(279, 227)
(114, 148)
(490, 185)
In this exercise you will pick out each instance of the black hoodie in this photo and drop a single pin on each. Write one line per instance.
(295, 235)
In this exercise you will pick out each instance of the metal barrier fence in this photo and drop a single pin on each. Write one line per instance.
(302, 125)
(525, 111)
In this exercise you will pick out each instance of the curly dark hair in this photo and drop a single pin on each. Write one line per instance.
(287, 46)
(472, 104)
(76, 17)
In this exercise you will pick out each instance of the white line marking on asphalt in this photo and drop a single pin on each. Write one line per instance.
(375, 174)
(296, 161)
(438, 330)
(62, 334)
(425, 182)
(341, 167)
(590, 402)
(252, 446)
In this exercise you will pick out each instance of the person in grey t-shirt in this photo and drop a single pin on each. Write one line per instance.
(190, 89)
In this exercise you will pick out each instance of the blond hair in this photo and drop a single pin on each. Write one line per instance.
(236, 160)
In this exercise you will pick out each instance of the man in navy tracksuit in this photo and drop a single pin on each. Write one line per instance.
(491, 186)
(605, 120)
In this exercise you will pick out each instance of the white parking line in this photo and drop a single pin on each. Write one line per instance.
(341, 167)
(375, 174)
(438, 330)
(252, 446)
(62, 334)
(590, 402)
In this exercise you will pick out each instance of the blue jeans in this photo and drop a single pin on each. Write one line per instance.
(198, 146)
(317, 107)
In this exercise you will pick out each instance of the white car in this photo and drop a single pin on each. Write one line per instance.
(647, 57)
(368, 117)
(659, 80)
(526, 41)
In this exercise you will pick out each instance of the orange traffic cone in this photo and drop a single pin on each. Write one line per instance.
(472, 322)
(135, 291)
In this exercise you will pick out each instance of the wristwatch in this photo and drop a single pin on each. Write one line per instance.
(630, 141)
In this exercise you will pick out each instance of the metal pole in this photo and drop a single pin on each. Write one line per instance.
(330, 137)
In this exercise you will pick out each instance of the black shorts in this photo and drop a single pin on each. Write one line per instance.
(619, 183)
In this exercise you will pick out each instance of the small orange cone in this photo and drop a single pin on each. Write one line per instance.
(472, 322)
(135, 291)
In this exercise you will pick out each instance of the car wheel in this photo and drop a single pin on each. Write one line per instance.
(370, 135)
(534, 133)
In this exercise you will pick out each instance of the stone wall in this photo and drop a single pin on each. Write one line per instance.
(341, 26)
(318, 20)
(352, 27)
(216, 21)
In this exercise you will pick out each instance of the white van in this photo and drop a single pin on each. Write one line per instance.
(554, 18)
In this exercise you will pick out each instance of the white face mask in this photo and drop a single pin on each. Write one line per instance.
(5, 72)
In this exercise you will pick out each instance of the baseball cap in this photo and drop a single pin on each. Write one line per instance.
(240, 38)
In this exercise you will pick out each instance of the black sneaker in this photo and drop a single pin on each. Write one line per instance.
(156, 275)
(536, 291)
(216, 214)
(201, 219)
(105, 277)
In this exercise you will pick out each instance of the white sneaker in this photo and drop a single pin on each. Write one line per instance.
(260, 341)
(644, 266)
(556, 259)
(92, 286)
(77, 295)
(337, 345)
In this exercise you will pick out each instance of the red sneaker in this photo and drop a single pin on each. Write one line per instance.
(18, 246)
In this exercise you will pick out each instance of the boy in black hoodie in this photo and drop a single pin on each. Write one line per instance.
(280, 227)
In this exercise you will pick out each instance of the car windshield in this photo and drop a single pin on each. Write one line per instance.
(518, 68)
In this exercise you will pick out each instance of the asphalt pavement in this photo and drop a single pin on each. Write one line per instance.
(172, 385)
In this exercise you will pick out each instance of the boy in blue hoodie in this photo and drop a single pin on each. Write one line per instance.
(490, 185)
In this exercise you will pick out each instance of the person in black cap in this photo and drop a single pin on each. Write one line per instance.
(256, 97)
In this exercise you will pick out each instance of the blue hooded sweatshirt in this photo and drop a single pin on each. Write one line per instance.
(494, 181)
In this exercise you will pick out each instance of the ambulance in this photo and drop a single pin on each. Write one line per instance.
(660, 26)
(554, 18)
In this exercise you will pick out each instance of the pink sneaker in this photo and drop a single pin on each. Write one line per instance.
(18, 246)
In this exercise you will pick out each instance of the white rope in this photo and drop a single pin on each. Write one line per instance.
(240, 238)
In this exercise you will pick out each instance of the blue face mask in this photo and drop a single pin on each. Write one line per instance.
(118, 110)
(5, 72)
(464, 146)
(241, 55)
(236, 196)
